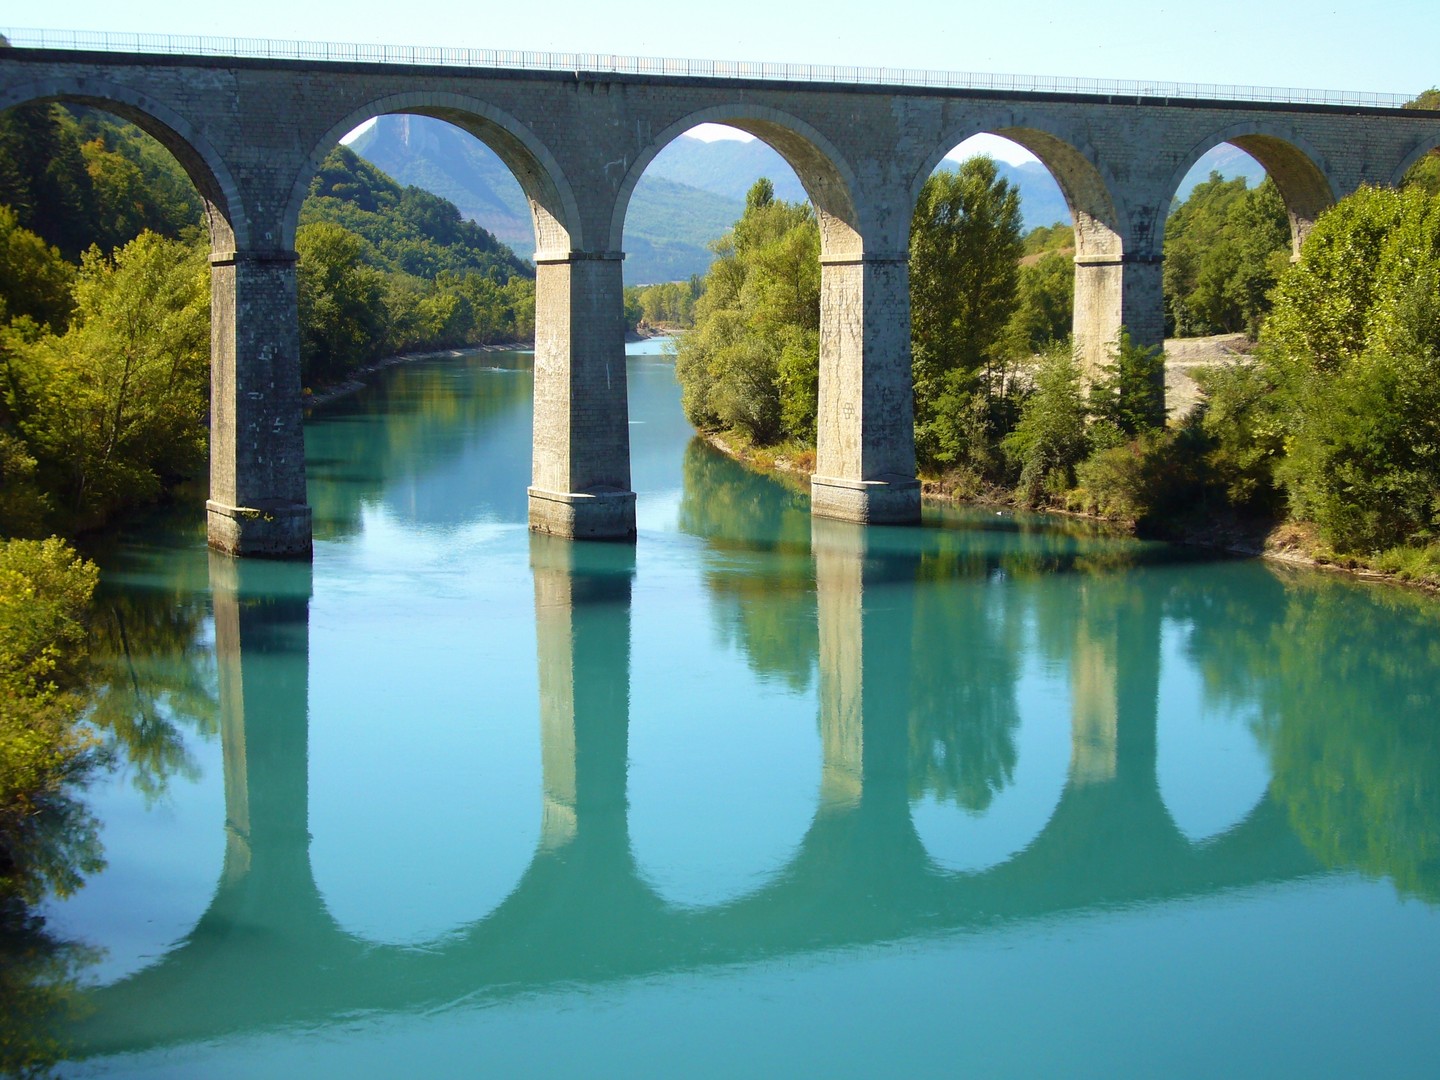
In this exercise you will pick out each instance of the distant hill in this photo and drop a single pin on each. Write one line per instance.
(666, 233)
(442, 159)
(726, 167)
(1229, 161)
(692, 192)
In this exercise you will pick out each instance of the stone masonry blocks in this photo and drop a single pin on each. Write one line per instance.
(249, 132)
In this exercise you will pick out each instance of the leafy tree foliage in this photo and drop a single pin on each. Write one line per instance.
(342, 312)
(1425, 173)
(112, 409)
(1125, 397)
(1340, 411)
(1225, 247)
(670, 304)
(1045, 311)
(1050, 438)
(45, 591)
(76, 177)
(407, 229)
(965, 247)
(34, 280)
(751, 364)
(385, 269)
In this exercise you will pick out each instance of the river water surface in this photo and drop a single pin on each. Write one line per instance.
(996, 796)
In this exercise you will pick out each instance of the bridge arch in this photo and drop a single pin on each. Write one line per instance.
(823, 170)
(1419, 150)
(553, 205)
(1297, 168)
(224, 208)
(1100, 218)
(1094, 204)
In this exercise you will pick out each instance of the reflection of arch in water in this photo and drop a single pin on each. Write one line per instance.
(966, 841)
(704, 775)
(1101, 233)
(388, 866)
(582, 914)
(1211, 771)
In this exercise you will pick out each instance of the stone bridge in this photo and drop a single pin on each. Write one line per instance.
(268, 953)
(252, 132)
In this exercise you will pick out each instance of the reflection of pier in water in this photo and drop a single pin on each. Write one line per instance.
(267, 952)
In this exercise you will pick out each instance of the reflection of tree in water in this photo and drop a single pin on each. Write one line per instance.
(963, 713)
(1344, 678)
(366, 442)
(757, 567)
(150, 677)
(39, 989)
(155, 680)
(983, 586)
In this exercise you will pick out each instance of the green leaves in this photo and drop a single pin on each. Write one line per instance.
(751, 363)
(115, 406)
(45, 591)
(965, 248)
(1353, 349)
(1050, 438)
(1225, 247)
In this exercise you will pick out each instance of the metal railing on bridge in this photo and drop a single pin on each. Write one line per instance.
(609, 63)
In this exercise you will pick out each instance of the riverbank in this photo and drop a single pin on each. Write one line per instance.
(358, 379)
(1291, 543)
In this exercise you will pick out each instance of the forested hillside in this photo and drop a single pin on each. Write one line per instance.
(105, 300)
(669, 224)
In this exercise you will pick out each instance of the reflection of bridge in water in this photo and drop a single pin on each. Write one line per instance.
(268, 953)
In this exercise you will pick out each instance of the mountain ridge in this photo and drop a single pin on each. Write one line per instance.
(690, 194)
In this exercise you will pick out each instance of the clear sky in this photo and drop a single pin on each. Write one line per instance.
(1383, 45)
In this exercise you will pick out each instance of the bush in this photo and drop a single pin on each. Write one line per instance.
(1049, 439)
(1131, 394)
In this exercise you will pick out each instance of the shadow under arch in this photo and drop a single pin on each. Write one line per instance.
(822, 169)
(202, 163)
(1289, 160)
(552, 203)
(1421, 148)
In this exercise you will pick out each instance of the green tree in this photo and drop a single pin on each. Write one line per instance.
(44, 178)
(965, 247)
(45, 591)
(1049, 440)
(34, 280)
(1353, 348)
(1130, 397)
(114, 408)
(1225, 247)
(751, 362)
(49, 839)
(342, 316)
(1046, 309)
(1425, 173)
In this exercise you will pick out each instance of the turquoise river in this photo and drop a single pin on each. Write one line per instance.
(758, 796)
